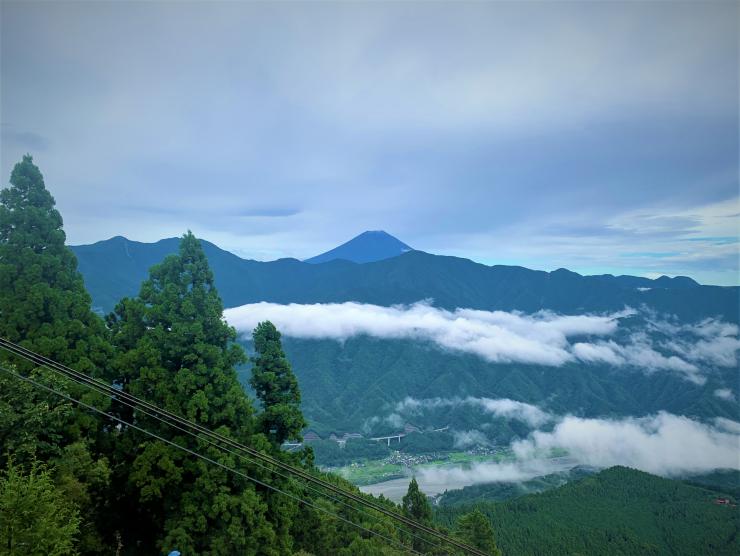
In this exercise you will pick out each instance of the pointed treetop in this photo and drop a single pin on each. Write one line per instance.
(27, 193)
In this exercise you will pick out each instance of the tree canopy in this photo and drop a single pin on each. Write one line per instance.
(475, 530)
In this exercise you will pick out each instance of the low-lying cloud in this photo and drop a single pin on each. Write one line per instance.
(466, 439)
(664, 444)
(725, 394)
(542, 338)
(500, 407)
(479, 473)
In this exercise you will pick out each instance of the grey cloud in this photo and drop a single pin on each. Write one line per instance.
(23, 140)
(355, 121)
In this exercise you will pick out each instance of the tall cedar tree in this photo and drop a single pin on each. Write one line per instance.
(43, 302)
(177, 352)
(44, 306)
(276, 387)
(415, 505)
(475, 529)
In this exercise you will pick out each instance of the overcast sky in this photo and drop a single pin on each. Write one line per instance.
(601, 137)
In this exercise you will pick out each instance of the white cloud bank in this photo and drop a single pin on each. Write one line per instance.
(664, 444)
(542, 338)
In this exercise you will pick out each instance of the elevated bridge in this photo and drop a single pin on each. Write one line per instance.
(388, 439)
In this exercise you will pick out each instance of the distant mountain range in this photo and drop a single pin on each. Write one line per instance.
(367, 247)
(115, 268)
(346, 383)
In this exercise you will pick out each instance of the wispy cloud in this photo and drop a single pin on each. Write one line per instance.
(466, 439)
(501, 407)
(725, 394)
(478, 473)
(542, 338)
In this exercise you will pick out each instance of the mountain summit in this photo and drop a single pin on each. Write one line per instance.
(367, 247)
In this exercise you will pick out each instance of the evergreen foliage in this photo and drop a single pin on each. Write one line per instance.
(344, 384)
(415, 505)
(43, 302)
(618, 511)
(475, 530)
(276, 387)
(176, 351)
(35, 517)
(44, 306)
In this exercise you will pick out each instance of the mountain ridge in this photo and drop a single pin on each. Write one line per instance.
(114, 268)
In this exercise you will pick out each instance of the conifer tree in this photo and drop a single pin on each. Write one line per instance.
(44, 306)
(177, 352)
(43, 301)
(276, 387)
(475, 529)
(415, 503)
(416, 506)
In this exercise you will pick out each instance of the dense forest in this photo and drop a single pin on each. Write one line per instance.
(618, 511)
(345, 384)
(108, 477)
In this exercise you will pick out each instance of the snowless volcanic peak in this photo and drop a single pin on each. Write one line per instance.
(374, 245)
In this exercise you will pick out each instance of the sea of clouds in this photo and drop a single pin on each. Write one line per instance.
(664, 443)
(543, 338)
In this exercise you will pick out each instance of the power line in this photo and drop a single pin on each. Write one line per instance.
(119, 394)
(104, 390)
(206, 458)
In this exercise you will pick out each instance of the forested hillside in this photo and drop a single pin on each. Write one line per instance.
(346, 383)
(618, 511)
(113, 269)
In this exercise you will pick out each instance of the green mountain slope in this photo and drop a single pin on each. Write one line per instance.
(345, 384)
(619, 511)
(114, 268)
